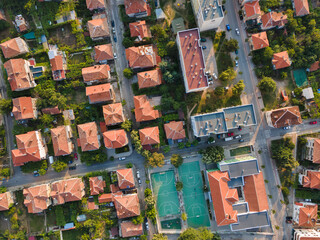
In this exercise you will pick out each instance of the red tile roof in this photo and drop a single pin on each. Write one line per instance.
(222, 198)
(314, 66)
(115, 139)
(285, 117)
(91, 205)
(174, 130)
(113, 114)
(95, 4)
(192, 60)
(103, 52)
(316, 151)
(114, 188)
(61, 140)
(150, 78)
(19, 74)
(125, 178)
(127, 205)
(255, 193)
(312, 180)
(67, 191)
(51, 111)
(301, 7)
(30, 148)
(308, 216)
(136, 7)
(37, 199)
(97, 185)
(56, 63)
(273, 19)
(6, 200)
(96, 73)
(149, 136)
(100, 93)
(98, 28)
(128, 229)
(105, 198)
(24, 108)
(143, 109)
(252, 9)
(88, 135)
(281, 60)
(140, 29)
(259, 40)
(14, 47)
(141, 57)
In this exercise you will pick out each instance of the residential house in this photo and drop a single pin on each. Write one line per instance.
(305, 214)
(96, 74)
(149, 137)
(66, 16)
(281, 60)
(208, 14)
(127, 205)
(192, 60)
(307, 93)
(6, 201)
(68, 190)
(14, 47)
(174, 131)
(142, 57)
(88, 136)
(103, 53)
(252, 13)
(273, 19)
(98, 29)
(150, 78)
(37, 198)
(105, 198)
(137, 8)
(284, 117)
(19, 74)
(125, 178)
(100, 93)
(31, 147)
(58, 63)
(51, 110)
(301, 7)
(113, 114)
(95, 4)
(314, 66)
(97, 185)
(62, 140)
(312, 152)
(115, 138)
(128, 229)
(24, 108)
(140, 30)
(306, 234)
(143, 109)
(20, 23)
(310, 179)
(258, 41)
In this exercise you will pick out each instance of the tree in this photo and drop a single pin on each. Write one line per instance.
(219, 91)
(59, 166)
(126, 125)
(156, 159)
(127, 42)
(42, 172)
(164, 66)
(267, 85)
(179, 186)
(151, 213)
(238, 88)
(137, 220)
(268, 53)
(159, 236)
(228, 75)
(212, 154)
(147, 192)
(166, 149)
(4, 25)
(47, 120)
(85, 236)
(184, 216)
(200, 233)
(5, 105)
(128, 73)
(3, 189)
(231, 45)
(149, 201)
(176, 160)
(158, 32)
(5, 172)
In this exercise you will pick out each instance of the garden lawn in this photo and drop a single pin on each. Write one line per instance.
(36, 222)
(72, 234)
(240, 151)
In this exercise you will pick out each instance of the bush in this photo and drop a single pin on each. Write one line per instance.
(129, 165)
(147, 192)
(98, 156)
(59, 166)
(179, 186)
(128, 73)
(166, 149)
(176, 160)
(184, 216)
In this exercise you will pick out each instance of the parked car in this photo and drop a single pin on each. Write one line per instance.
(288, 219)
(138, 174)
(112, 23)
(238, 136)
(114, 55)
(76, 156)
(70, 161)
(228, 27)
(218, 136)
(139, 181)
(239, 128)
(113, 31)
(73, 168)
(207, 72)
(241, 140)
(286, 128)
(214, 75)
(147, 226)
(236, 51)
(230, 134)
(237, 31)
(122, 158)
(313, 122)
(36, 174)
(237, 63)
(223, 8)
(115, 39)
(204, 47)
(203, 40)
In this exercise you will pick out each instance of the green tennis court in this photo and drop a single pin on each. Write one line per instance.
(165, 192)
(300, 77)
(193, 197)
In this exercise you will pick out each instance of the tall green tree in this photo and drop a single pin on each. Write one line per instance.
(5, 105)
(212, 154)
(267, 85)
(176, 160)
(156, 159)
(199, 234)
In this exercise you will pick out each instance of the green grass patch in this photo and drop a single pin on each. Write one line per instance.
(270, 100)
(240, 151)
(51, 218)
(36, 222)
(72, 234)
(224, 61)
(314, 195)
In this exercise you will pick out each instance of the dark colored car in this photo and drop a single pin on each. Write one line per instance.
(239, 128)
(223, 8)
(73, 168)
(241, 140)
(218, 136)
(76, 156)
(228, 27)
(203, 40)
(36, 174)
(236, 51)
(313, 122)
(69, 162)
(115, 39)
(112, 23)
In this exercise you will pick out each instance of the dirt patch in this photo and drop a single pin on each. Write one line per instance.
(63, 35)
(176, 8)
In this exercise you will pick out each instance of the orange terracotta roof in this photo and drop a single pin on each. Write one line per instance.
(143, 109)
(114, 188)
(19, 74)
(100, 93)
(312, 180)
(316, 151)
(259, 40)
(51, 111)
(174, 130)
(141, 57)
(30, 148)
(96, 73)
(115, 139)
(136, 7)
(14, 47)
(91, 205)
(37, 199)
(113, 114)
(308, 216)
(88, 135)
(56, 63)
(103, 52)
(105, 198)
(98, 28)
(285, 117)
(314, 66)
(128, 229)
(24, 108)
(301, 7)
(97, 185)
(220, 195)
(95, 4)
(67, 191)
(61, 140)
(252, 9)
(150, 78)
(149, 136)
(273, 19)
(255, 193)
(6, 200)
(140, 29)
(125, 178)
(127, 205)
(281, 60)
